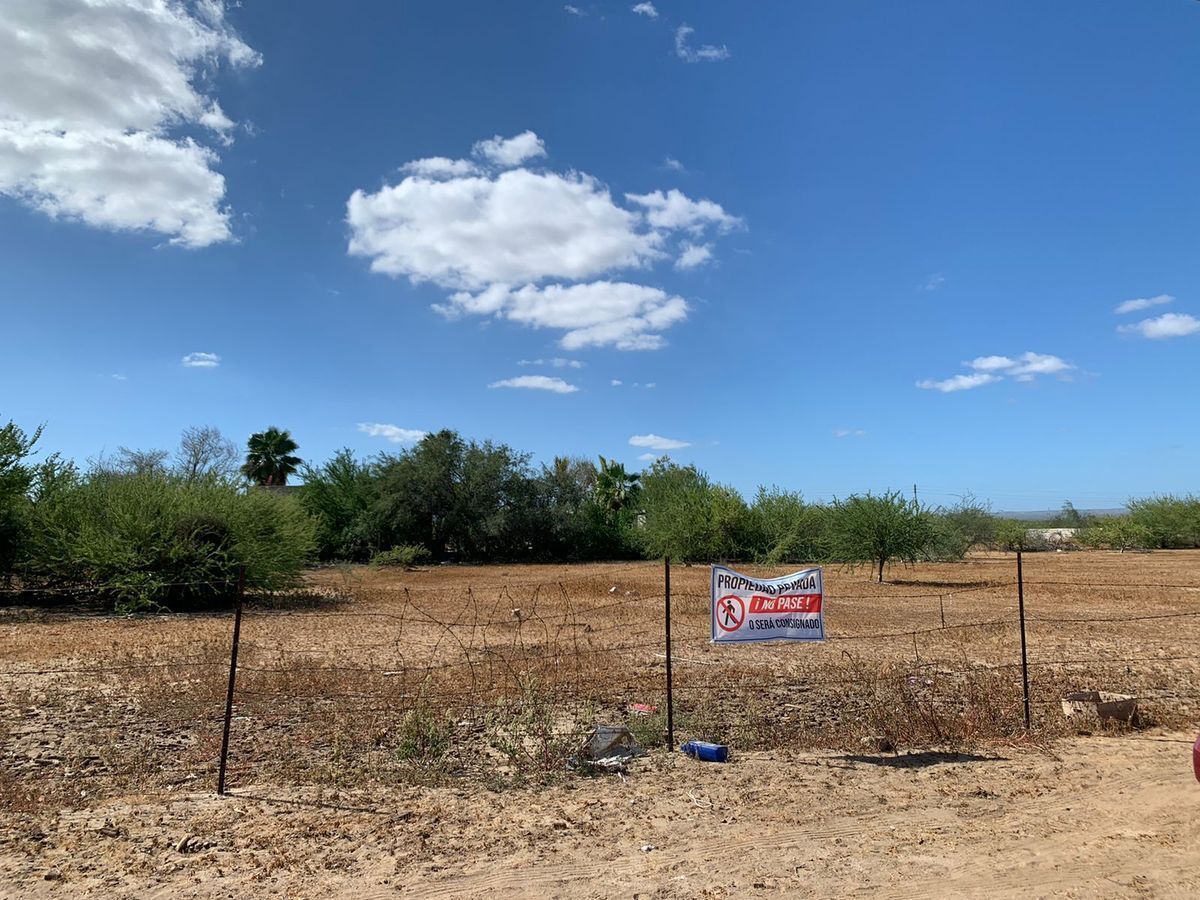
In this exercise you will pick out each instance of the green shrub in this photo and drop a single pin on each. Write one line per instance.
(1172, 522)
(158, 541)
(947, 541)
(877, 529)
(17, 479)
(690, 519)
(1010, 535)
(341, 493)
(972, 520)
(402, 556)
(1116, 533)
(786, 529)
(21, 480)
(424, 734)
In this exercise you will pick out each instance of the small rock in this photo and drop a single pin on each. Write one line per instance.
(184, 846)
(646, 848)
(52, 875)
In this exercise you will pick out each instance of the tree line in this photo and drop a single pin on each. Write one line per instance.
(148, 529)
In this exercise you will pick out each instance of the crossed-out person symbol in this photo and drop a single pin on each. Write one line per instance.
(731, 611)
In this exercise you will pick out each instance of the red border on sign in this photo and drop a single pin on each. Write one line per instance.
(725, 604)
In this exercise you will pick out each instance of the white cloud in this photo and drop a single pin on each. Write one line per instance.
(117, 377)
(518, 227)
(95, 97)
(990, 369)
(958, 382)
(646, 9)
(694, 255)
(594, 314)
(439, 167)
(704, 53)
(536, 383)
(656, 442)
(201, 360)
(673, 164)
(123, 182)
(648, 457)
(990, 363)
(574, 10)
(494, 237)
(509, 152)
(1143, 303)
(933, 282)
(392, 433)
(849, 432)
(1039, 364)
(557, 362)
(674, 210)
(1168, 325)
(648, 386)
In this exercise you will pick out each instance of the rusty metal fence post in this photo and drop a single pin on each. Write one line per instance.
(1024, 655)
(667, 629)
(233, 655)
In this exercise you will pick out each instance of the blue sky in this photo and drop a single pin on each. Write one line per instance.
(851, 245)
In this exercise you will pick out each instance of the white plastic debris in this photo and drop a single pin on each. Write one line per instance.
(609, 740)
(608, 748)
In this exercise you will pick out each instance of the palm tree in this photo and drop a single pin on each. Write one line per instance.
(614, 486)
(269, 459)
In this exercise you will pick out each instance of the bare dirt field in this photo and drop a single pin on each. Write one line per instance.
(409, 732)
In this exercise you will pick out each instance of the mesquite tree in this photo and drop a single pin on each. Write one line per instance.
(880, 528)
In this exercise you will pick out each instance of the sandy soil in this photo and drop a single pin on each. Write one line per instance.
(1096, 817)
(110, 729)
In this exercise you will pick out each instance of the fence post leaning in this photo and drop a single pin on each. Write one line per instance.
(233, 655)
(667, 615)
(1024, 656)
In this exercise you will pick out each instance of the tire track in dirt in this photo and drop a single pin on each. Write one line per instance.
(988, 874)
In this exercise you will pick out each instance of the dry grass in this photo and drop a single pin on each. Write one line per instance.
(496, 672)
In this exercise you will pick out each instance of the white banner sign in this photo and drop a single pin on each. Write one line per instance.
(746, 609)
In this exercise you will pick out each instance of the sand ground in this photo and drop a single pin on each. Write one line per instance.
(110, 730)
(1097, 816)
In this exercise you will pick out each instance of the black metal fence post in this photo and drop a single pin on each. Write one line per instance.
(670, 696)
(1024, 656)
(233, 654)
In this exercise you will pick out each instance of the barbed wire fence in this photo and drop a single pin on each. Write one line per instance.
(506, 682)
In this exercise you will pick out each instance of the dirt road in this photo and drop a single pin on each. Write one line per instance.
(1095, 816)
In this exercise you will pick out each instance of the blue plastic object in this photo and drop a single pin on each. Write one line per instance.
(705, 751)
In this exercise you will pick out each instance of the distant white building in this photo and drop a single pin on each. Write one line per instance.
(1051, 538)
